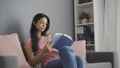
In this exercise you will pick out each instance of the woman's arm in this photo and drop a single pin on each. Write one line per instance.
(34, 59)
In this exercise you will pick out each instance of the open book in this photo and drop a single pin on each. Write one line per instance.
(59, 40)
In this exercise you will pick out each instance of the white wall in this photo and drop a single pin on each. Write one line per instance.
(16, 15)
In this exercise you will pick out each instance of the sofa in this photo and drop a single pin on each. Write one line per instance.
(12, 54)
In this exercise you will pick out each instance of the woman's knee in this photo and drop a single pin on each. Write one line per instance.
(80, 59)
(80, 62)
(66, 48)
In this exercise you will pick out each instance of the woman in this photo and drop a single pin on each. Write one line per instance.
(38, 49)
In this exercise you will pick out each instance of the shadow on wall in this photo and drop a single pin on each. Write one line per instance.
(14, 26)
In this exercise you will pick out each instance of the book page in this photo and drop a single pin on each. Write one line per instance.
(68, 36)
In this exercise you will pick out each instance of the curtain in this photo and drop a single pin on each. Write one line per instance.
(99, 23)
(107, 27)
(118, 32)
(110, 25)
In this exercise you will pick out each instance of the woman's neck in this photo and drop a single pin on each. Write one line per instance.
(39, 34)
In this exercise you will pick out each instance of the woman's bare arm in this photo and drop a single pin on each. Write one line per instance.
(34, 59)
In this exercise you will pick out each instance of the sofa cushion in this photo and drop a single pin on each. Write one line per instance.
(99, 65)
(10, 46)
(79, 48)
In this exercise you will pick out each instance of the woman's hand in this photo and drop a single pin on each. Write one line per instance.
(47, 47)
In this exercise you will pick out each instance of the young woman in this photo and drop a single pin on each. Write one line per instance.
(38, 50)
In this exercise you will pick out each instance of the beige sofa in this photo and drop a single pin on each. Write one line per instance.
(12, 54)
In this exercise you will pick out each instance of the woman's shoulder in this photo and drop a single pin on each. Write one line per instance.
(27, 40)
(48, 35)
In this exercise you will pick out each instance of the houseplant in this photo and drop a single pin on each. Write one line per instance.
(83, 17)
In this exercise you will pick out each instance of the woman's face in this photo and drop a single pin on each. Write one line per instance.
(41, 24)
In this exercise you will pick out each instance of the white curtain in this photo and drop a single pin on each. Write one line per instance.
(118, 32)
(110, 25)
(105, 24)
(99, 23)
(107, 27)
(111, 29)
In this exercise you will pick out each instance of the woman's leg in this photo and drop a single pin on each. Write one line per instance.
(80, 62)
(54, 64)
(68, 58)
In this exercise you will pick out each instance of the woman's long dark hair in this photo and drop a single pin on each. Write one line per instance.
(34, 30)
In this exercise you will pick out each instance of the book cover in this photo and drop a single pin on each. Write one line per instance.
(59, 40)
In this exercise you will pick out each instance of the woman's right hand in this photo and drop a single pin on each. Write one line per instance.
(47, 47)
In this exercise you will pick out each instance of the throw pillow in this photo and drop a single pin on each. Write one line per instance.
(79, 48)
(10, 46)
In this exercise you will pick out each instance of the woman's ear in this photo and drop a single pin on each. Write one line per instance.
(33, 22)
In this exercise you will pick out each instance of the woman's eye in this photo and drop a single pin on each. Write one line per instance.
(44, 23)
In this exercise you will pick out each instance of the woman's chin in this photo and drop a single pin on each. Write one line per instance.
(42, 30)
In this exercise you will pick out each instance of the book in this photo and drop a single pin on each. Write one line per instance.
(59, 40)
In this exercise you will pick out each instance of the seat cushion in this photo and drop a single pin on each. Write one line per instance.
(10, 46)
(99, 65)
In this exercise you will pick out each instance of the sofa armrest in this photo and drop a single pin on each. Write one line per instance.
(93, 57)
(8, 62)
